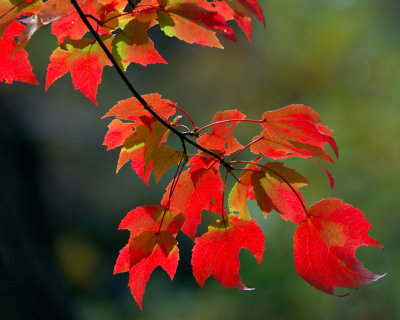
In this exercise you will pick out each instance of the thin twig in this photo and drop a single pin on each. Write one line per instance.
(247, 146)
(174, 183)
(227, 121)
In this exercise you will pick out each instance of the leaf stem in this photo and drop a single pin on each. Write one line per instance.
(223, 196)
(174, 183)
(228, 120)
(244, 148)
(186, 114)
(233, 175)
(145, 105)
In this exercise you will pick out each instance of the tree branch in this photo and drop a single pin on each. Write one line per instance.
(122, 75)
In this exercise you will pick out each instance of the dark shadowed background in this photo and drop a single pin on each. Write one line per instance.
(61, 201)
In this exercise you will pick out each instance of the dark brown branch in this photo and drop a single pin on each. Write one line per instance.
(122, 75)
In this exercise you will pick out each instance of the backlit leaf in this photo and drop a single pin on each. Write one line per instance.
(216, 252)
(164, 157)
(325, 246)
(84, 59)
(14, 64)
(197, 189)
(192, 23)
(221, 138)
(152, 243)
(134, 45)
(275, 188)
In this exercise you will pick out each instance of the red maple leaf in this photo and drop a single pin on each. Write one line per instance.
(84, 59)
(217, 251)
(221, 138)
(325, 246)
(117, 133)
(236, 9)
(151, 244)
(274, 186)
(72, 27)
(192, 23)
(131, 108)
(294, 130)
(134, 45)
(142, 140)
(197, 189)
(14, 64)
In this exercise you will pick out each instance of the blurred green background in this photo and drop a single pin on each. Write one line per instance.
(61, 200)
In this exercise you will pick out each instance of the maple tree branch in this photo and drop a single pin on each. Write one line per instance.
(223, 196)
(228, 120)
(143, 102)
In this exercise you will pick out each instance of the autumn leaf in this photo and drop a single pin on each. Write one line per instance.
(243, 191)
(297, 128)
(164, 157)
(239, 10)
(117, 133)
(140, 148)
(221, 138)
(276, 188)
(70, 26)
(134, 45)
(197, 189)
(298, 123)
(192, 23)
(294, 131)
(216, 252)
(133, 110)
(325, 246)
(151, 244)
(151, 226)
(140, 273)
(142, 140)
(84, 59)
(14, 63)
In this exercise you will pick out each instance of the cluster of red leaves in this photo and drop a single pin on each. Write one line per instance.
(123, 29)
(328, 232)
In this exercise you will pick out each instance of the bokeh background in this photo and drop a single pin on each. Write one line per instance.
(61, 201)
